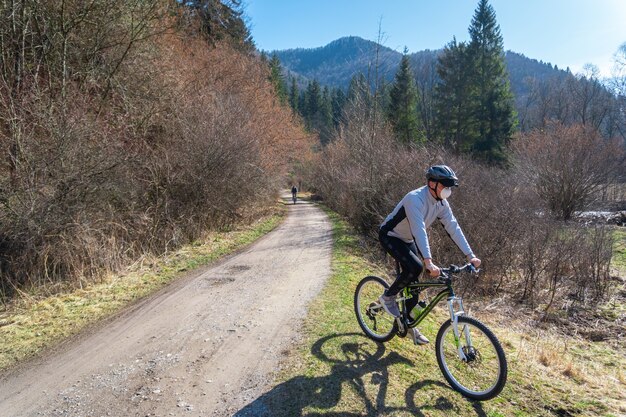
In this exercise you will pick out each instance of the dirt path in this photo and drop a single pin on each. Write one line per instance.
(205, 346)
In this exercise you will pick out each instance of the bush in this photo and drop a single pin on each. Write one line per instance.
(138, 149)
(569, 167)
(363, 174)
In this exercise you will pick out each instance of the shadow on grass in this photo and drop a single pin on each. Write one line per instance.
(354, 361)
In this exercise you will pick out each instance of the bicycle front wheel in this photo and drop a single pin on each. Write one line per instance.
(377, 324)
(475, 364)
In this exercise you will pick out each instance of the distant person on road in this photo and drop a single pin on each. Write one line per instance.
(294, 194)
(403, 236)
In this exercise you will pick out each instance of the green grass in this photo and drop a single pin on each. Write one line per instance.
(336, 370)
(31, 326)
(619, 251)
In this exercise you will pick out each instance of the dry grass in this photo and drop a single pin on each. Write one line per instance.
(548, 358)
(32, 324)
(337, 371)
(554, 362)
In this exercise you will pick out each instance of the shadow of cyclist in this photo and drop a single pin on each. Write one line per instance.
(353, 359)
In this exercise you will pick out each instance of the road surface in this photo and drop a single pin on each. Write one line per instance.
(205, 346)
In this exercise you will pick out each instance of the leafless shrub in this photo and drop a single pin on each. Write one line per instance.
(493, 211)
(569, 167)
(592, 274)
(61, 180)
(532, 257)
(136, 138)
(364, 172)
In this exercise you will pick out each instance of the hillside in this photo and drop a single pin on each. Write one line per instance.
(336, 63)
(117, 133)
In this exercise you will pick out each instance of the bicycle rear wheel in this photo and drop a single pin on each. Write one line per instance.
(377, 324)
(482, 375)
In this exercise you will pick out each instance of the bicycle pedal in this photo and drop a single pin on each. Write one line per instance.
(402, 327)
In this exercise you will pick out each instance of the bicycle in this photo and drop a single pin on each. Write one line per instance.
(293, 197)
(469, 354)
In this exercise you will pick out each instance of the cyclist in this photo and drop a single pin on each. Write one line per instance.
(403, 236)
(294, 192)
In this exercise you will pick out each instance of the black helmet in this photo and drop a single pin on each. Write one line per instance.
(442, 174)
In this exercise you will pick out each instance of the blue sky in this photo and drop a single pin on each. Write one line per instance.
(568, 33)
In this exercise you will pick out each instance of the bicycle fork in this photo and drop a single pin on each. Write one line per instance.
(455, 305)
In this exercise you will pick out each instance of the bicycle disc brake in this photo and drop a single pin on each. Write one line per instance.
(472, 354)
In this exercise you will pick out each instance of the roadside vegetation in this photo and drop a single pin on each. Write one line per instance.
(129, 129)
(34, 322)
(552, 285)
(520, 193)
(336, 370)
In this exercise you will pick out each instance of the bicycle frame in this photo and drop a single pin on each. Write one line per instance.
(455, 307)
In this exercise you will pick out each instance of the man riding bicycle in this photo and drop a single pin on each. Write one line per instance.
(403, 236)
(294, 192)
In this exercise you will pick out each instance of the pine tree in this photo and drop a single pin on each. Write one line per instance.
(325, 118)
(473, 99)
(223, 20)
(453, 98)
(294, 95)
(494, 102)
(277, 80)
(402, 109)
(313, 102)
(327, 107)
(337, 104)
(359, 90)
(302, 108)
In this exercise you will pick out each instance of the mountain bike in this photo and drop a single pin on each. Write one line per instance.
(293, 197)
(468, 353)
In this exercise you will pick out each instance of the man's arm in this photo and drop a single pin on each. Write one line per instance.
(454, 231)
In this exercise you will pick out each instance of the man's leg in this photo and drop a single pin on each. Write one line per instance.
(405, 253)
(411, 267)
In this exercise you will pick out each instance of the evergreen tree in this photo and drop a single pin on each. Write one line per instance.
(277, 80)
(223, 20)
(402, 109)
(495, 113)
(316, 108)
(313, 102)
(337, 104)
(294, 95)
(453, 97)
(325, 117)
(384, 94)
(302, 100)
(473, 100)
(359, 90)
(327, 107)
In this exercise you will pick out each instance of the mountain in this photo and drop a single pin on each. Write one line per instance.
(336, 63)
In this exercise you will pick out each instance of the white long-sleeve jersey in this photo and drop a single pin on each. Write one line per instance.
(417, 211)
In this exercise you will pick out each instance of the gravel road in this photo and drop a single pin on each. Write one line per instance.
(205, 346)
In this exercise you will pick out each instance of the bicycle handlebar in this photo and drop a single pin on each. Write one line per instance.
(453, 269)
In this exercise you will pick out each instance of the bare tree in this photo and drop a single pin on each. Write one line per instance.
(619, 71)
(568, 166)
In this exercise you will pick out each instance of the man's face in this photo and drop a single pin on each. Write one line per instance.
(432, 184)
